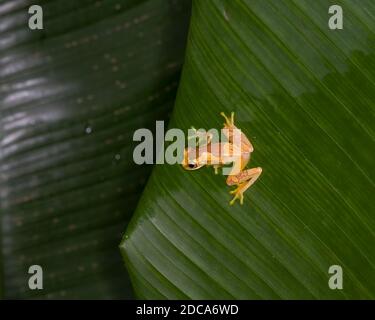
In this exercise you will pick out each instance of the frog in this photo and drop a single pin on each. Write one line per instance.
(213, 154)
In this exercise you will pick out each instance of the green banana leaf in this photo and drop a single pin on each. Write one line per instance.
(71, 96)
(305, 95)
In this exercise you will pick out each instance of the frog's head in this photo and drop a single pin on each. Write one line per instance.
(190, 161)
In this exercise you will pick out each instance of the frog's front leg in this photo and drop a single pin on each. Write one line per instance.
(230, 132)
(243, 180)
(229, 122)
(201, 136)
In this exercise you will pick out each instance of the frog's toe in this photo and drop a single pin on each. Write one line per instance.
(233, 200)
(232, 118)
(216, 168)
(233, 191)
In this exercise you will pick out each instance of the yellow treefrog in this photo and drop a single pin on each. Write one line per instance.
(236, 151)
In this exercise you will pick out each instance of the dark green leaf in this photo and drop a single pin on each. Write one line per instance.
(304, 95)
(71, 96)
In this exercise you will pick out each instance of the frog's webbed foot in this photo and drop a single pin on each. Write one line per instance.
(229, 122)
(238, 194)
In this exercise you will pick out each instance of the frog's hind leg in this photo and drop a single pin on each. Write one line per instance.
(243, 180)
